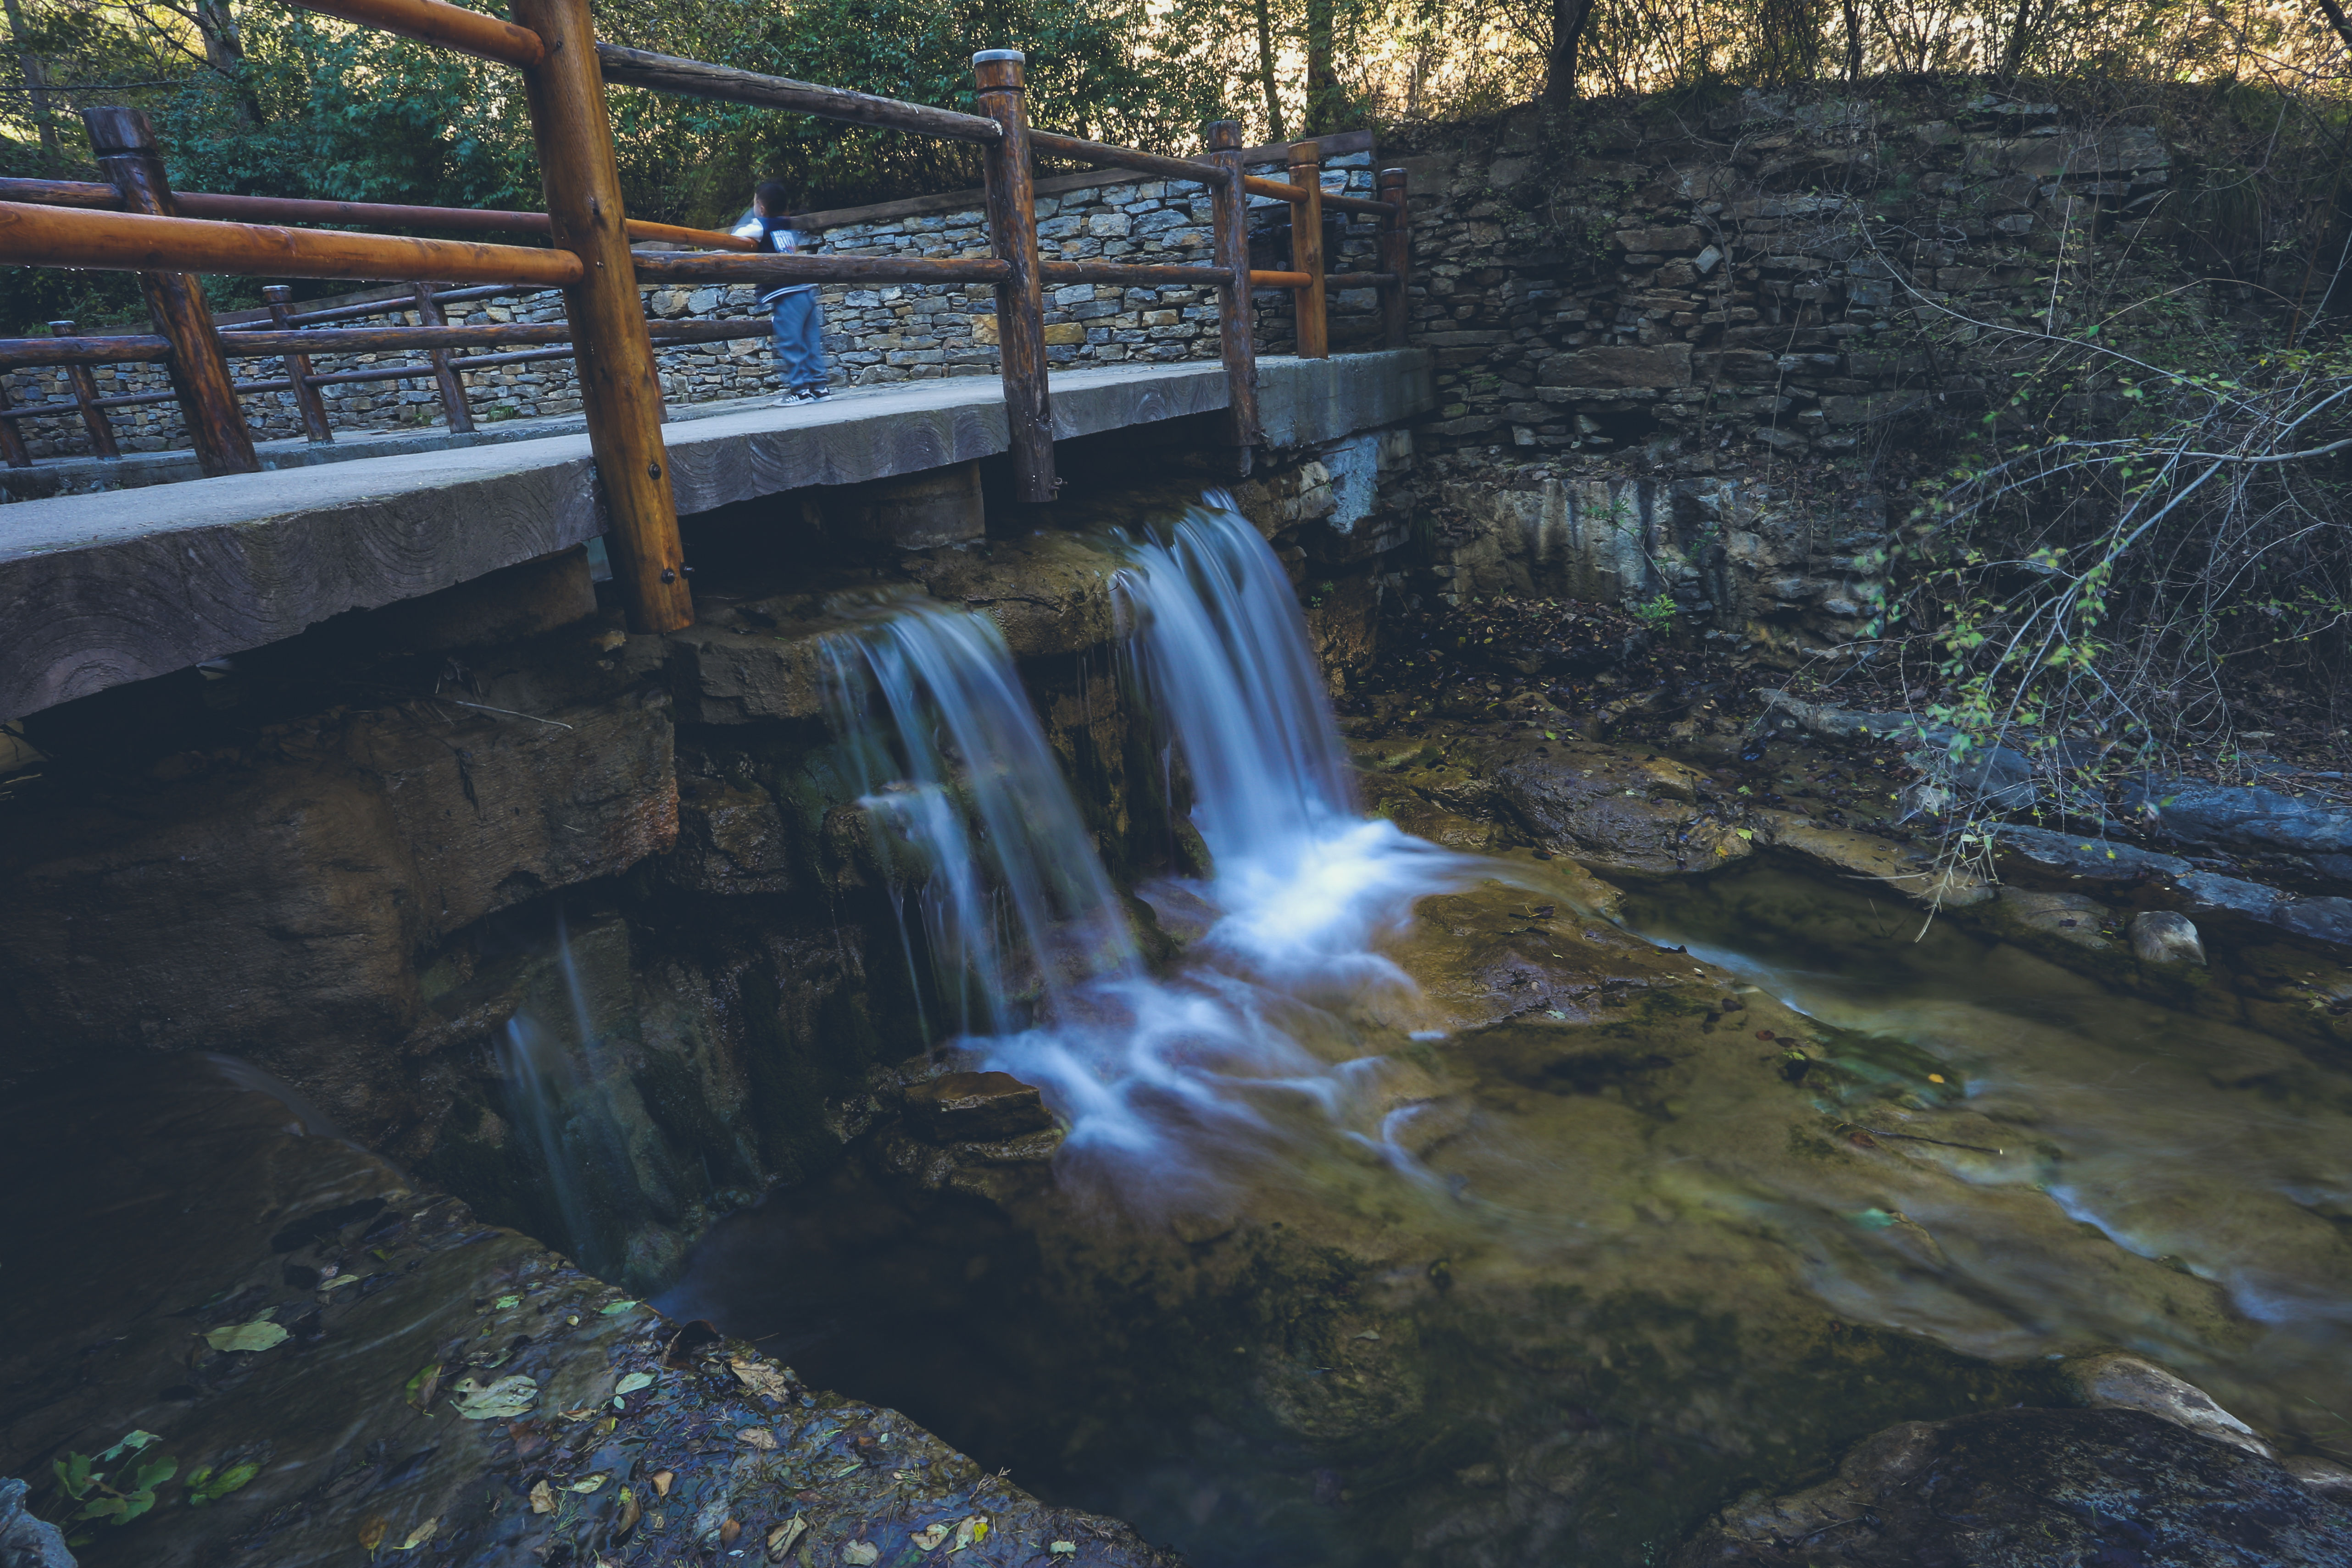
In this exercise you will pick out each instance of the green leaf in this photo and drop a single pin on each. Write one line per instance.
(633, 1381)
(616, 1309)
(257, 1335)
(131, 1443)
(501, 1401)
(220, 1486)
(155, 1474)
(504, 1302)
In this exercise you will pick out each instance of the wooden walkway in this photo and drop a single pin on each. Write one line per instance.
(97, 590)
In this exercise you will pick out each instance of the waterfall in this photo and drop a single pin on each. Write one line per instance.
(1026, 936)
(965, 804)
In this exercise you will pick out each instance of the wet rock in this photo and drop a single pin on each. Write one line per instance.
(438, 1382)
(2246, 816)
(731, 839)
(1048, 593)
(2000, 779)
(2163, 936)
(2075, 857)
(1914, 875)
(2119, 1381)
(975, 1107)
(1608, 810)
(2329, 1479)
(2036, 1489)
(2040, 920)
(2316, 919)
(27, 1542)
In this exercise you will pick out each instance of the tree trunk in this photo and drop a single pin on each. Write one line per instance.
(2013, 58)
(37, 78)
(1568, 20)
(2335, 19)
(1265, 70)
(1853, 39)
(1322, 84)
(225, 52)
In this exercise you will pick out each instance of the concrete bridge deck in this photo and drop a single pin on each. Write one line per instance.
(97, 590)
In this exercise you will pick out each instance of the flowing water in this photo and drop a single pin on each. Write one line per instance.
(1356, 1292)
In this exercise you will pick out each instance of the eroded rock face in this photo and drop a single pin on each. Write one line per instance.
(418, 1380)
(2037, 1489)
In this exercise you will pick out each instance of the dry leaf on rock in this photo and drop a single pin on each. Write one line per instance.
(757, 1376)
(969, 1532)
(542, 1498)
(758, 1437)
(729, 1531)
(781, 1539)
(633, 1381)
(858, 1553)
(630, 1512)
(501, 1401)
(662, 1479)
(581, 1414)
(425, 1385)
(372, 1532)
(589, 1483)
(930, 1536)
(421, 1534)
(256, 1335)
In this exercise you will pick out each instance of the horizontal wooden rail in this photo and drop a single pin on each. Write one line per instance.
(671, 267)
(1137, 273)
(298, 209)
(386, 307)
(136, 242)
(451, 27)
(20, 353)
(1266, 279)
(1364, 204)
(1125, 158)
(698, 78)
(1279, 190)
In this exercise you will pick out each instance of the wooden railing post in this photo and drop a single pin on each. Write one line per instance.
(125, 146)
(1307, 250)
(1236, 343)
(1396, 256)
(1021, 298)
(84, 382)
(13, 449)
(453, 385)
(620, 388)
(315, 427)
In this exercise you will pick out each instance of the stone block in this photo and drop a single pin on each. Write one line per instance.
(1675, 239)
(1656, 365)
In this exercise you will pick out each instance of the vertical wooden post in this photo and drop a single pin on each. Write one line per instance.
(298, 367)
(620, 388)
(1396, 256)
(1307, 250)
(453, 385)
(84, 383)
(13, 449)
(1236, 343)
(1021, 298)
(125, 146)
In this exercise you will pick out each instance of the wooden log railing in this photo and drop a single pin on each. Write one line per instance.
(133, 222)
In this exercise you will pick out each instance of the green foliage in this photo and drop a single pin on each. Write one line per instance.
(1658, 615)
(109, 1494)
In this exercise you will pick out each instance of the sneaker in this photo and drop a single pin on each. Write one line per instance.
(791, 399)
(818, 393)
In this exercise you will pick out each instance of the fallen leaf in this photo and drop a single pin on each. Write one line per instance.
(630, 1512)
(503, 1303)
(781, 1539)
(425, 1385)
(421, 1534)
(971, 1532)
(372, 1532)
(729, 1531)
(858, 1553)
(633, 1381)
(339, 1279)
(662, 1479)
(256, 1335)
(930, 1536)
(501, 1401)
(758, 1437)
(589, 1483)
(1368, 1334)
(581, 1414)
(1063, 1549)
(757, 1377)
(542, 1498)
(616, 1309)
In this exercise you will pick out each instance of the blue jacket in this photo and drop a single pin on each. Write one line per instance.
(776, 235)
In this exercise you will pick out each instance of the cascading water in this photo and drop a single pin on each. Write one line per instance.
(1149, 1071)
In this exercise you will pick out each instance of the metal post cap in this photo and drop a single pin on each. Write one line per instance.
(1015, 56)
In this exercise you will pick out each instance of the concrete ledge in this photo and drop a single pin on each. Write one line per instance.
(97, 590)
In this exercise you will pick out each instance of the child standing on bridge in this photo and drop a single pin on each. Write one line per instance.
(799, 320)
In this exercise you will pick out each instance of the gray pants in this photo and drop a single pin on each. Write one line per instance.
(800, 339)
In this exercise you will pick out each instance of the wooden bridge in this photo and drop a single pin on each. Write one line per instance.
(99, 590)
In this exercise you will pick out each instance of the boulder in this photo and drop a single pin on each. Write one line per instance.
(2119, 1381)
(2241, 816)
(975, 1107)
(27, 1542)
(2165, 936)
